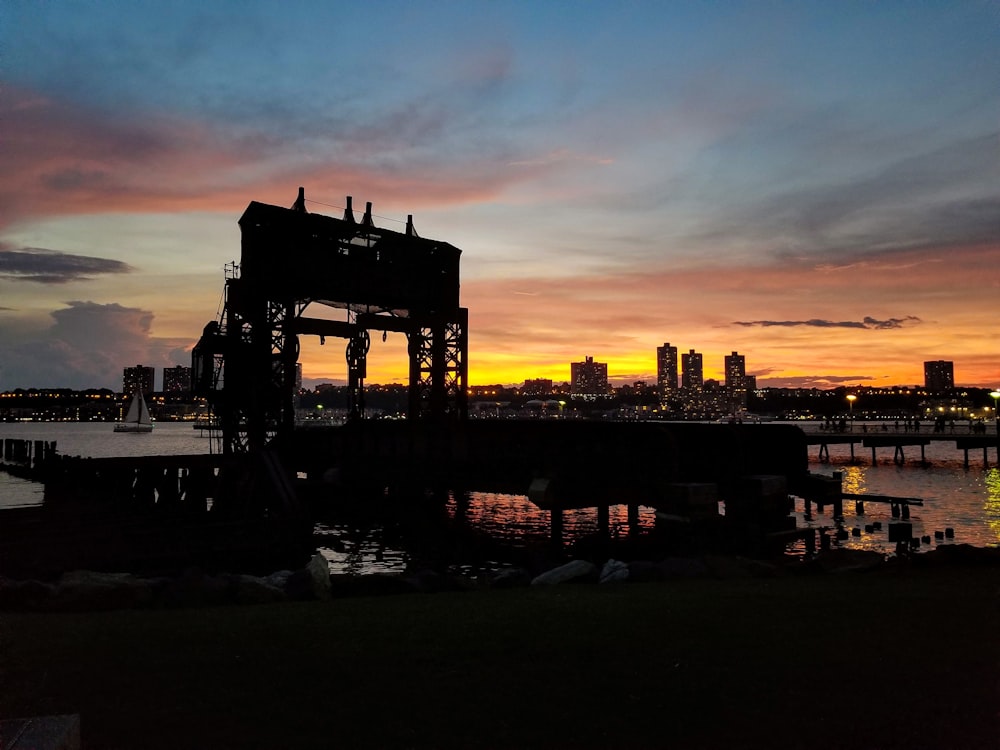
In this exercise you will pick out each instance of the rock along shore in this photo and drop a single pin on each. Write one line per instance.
(84, 590)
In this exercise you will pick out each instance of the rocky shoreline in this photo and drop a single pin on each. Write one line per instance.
(83, 590)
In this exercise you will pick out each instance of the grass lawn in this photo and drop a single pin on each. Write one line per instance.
(880, 660)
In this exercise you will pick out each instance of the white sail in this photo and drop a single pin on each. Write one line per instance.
(137, 418)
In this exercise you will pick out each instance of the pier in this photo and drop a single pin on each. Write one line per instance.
(899, 441)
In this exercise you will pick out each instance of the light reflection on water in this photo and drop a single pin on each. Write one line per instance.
(966, 500)
(992, 510)
(511, 522)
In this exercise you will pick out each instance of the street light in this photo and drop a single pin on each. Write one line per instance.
(851, 398)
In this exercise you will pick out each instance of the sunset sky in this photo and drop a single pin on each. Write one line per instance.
(813, 184)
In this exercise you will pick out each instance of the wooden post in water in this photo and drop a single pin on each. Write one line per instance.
(838, 503)
(603, 519)
(556, 525)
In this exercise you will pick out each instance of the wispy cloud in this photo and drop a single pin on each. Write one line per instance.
(62, 159)
(53, 267)
(867, 323)
(876, 265)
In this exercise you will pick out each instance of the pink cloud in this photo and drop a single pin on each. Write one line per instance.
(62, 159)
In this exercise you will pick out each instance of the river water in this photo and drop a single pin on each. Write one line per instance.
(965, 500)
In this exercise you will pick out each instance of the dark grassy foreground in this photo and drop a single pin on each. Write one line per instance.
(893, 659)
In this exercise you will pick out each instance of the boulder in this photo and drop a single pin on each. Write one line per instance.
(253, 590)
(91, 590)
(844, 560)
(279, 579)
(319, 573)
(614, 571)
(60, 732)
(963, 554)
(510, 578)
(674, 568)
(310, 582)
(196, 589)
(25, 595)
(575, 570)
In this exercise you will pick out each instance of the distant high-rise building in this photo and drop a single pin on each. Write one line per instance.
(939, 375)
(736, 379)
(298, 377)
(666, 369)
(589, 378)
(138, 378)
(537, 386)
(736, 371)
(176, 379)
(692, 374)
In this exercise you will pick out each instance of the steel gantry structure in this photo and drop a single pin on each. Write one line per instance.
(245, 362)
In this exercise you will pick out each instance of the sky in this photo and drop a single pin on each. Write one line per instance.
(815, 185)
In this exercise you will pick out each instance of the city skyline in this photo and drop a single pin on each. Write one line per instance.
(938, 376)
(813, 185)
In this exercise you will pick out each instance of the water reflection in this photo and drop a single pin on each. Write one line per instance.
(472, 533)
(516, 521)
(991, 481)
(854, 479)
(356, 551)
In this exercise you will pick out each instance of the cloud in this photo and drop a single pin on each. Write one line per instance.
(53, 267)
(820, 382)
(868, 322)
(63, 159)
(907, 196)
(883, 264)
(87, 345)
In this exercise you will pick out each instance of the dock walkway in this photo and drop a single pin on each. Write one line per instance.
(899, 441)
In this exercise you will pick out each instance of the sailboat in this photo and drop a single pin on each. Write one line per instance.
(137, 419)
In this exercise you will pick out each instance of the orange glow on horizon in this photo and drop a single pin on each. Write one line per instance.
(513, 372)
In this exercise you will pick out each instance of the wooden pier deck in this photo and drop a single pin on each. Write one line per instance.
(899, 441)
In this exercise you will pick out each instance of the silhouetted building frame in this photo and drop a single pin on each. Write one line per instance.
(246, 363)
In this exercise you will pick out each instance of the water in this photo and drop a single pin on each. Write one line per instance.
(966, 500)
(95, 440)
